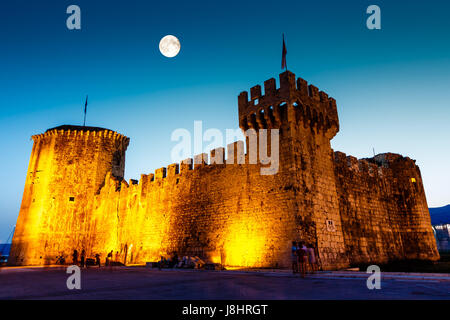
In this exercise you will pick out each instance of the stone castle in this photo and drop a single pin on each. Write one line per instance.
(354, 211)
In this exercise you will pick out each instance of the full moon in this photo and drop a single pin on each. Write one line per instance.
(169, 46)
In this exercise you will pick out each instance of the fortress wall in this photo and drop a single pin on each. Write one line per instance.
(384, 212)
(228, 213)
(66, 169)
(352, 211)
(317, 199)
(232, 213)
(26, 235)
(417, 234)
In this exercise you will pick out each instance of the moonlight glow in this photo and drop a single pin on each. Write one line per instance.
(169, 46)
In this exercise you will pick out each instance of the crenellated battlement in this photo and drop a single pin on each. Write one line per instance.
(382, 165)
(364, 166)
(234, 154)
(269, 110)
(84, 132)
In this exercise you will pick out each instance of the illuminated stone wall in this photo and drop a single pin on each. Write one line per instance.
(223, 212)
(67, 167)
(75, 196)
(307, 119)
(383, 209)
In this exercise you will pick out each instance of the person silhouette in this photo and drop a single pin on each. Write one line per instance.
(75, 257)
(97, 260)
(82, 258)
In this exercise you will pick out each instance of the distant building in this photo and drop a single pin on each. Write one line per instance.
(4, 251)
(442, 235)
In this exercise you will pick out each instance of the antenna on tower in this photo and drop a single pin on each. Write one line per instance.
(373, 151)
(283, 56)
(85, 110)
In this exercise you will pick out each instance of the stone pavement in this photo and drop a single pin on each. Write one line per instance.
(144, 283)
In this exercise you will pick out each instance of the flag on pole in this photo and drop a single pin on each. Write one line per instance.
(283, 56)
(85, 110)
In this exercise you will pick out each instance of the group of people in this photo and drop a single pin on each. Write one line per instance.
(303, 258)
(83, 263)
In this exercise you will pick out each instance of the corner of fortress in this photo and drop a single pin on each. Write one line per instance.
(219, 206)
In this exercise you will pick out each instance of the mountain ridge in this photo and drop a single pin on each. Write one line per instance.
(440, 215)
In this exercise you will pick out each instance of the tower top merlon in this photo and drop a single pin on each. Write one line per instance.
(293, 91)
(72, 127)
(74, 130)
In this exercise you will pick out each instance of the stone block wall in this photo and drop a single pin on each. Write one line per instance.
(67, 168)
(383, 209)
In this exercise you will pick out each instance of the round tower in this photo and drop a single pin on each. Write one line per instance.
(67, 167)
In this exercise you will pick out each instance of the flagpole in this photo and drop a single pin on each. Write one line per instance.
(285, 59)
(85, 109)
(283, 54)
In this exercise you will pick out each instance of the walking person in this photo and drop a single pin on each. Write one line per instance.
(312, 258)
(75, 257)
(294, 257)
(305, 256)
(109, 258)
(302, 256)
(97, 260)
(82, 258)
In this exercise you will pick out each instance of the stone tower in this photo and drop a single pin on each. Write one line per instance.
(307, 119)
(67, 167)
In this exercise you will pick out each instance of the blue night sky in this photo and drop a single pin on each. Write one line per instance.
(391, 85)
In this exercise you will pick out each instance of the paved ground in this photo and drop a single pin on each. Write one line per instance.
(143, 283)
